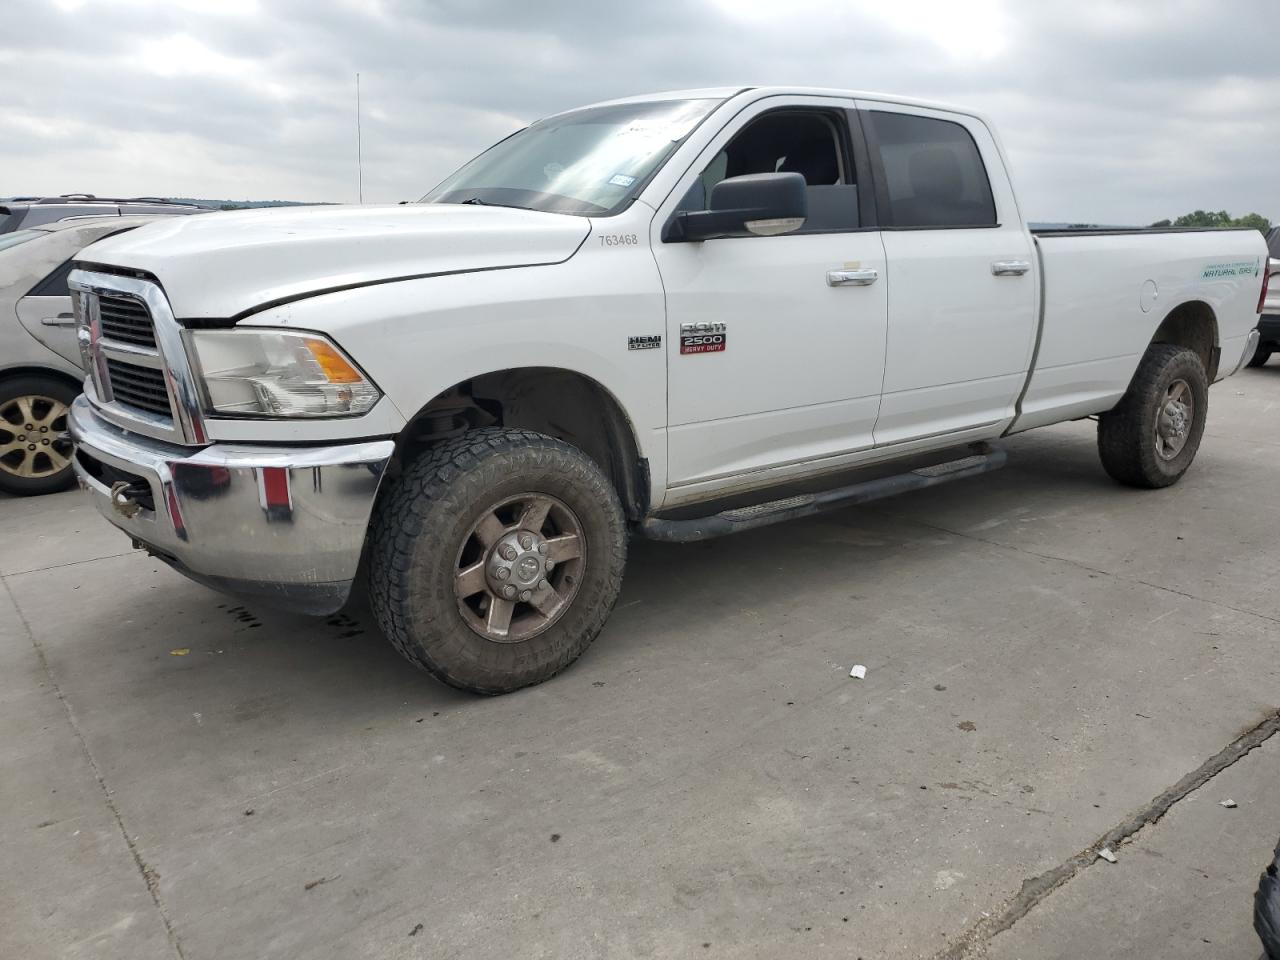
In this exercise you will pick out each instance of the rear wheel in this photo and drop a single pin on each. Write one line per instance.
(1260, 356)
(1151, 436)
(35, 449)
(496, 559)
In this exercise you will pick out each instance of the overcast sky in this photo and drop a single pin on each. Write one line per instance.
(1117, 111)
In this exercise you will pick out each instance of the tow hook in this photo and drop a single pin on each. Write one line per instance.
(120, 501)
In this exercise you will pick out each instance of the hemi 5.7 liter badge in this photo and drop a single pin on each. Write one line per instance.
(703, 337)
(644, 343)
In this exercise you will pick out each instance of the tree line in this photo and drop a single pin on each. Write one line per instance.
(1217, 218)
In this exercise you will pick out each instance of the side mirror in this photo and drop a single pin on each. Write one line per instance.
(759, 204)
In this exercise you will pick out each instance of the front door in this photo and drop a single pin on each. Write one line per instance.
(775, 343)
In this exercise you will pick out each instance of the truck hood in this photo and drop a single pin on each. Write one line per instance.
(224, 265)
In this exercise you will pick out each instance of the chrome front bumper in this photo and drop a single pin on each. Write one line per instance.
(285, 524)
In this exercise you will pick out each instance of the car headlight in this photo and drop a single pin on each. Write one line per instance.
(278, 373)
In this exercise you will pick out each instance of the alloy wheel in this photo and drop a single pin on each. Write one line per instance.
(33, 437)
(519, 567)
(1173, 420)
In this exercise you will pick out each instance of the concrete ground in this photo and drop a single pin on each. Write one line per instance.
(184, 775)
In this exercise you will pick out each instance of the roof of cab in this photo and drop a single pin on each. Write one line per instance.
(726, 93)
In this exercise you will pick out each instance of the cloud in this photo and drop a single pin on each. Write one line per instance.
(1110, 112)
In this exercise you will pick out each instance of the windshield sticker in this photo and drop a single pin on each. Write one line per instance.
(621, 180)
(1239, 268)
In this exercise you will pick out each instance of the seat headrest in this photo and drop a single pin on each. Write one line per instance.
(815, 161)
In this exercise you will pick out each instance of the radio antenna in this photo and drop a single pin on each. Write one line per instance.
(359, 148)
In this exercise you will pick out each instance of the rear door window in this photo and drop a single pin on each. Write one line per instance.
(931, 171)
(55, 284)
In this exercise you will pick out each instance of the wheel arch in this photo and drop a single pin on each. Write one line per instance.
(1194, 325)
(556, 401)
(35, 370)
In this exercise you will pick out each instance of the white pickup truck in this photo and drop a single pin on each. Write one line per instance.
(675, 316)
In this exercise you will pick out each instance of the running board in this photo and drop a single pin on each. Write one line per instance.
(789, 508)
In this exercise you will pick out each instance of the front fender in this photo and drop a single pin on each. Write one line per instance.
(417, 338)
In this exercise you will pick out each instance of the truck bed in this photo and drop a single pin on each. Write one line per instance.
(1104, 293)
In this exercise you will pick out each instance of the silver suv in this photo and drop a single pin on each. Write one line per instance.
(20, 213)
(40, 372)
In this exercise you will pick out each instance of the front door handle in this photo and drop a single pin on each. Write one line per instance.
(1010, 268)
(61, 320)
(852, 278)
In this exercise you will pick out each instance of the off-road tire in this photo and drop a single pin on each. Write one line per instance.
(43, 386)
(424, 519)
(1260, 355)
(1266, 909)
(1126, 434)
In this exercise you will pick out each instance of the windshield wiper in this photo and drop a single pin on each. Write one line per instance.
(477, 202)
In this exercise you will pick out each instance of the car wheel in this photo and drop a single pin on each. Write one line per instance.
(35, 448)
(1151, 436)
(496, 559)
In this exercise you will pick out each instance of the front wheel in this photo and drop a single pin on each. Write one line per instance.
(35, 449)
(496, 559)
(1151, 436)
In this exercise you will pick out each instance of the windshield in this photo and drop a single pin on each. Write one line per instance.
(588, 162)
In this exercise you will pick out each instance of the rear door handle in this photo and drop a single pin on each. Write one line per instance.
(852, 278)
(1010, 268)
(61, 320)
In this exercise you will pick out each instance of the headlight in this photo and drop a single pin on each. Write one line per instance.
(278, 373)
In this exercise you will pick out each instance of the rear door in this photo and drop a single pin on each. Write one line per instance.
(46, 313)
(962, 308)
(45, 310)
(789, 364)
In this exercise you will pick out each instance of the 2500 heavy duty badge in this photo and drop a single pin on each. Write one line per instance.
(703, 337)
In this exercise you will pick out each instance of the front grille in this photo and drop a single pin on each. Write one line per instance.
(126, 320)
(141, 387)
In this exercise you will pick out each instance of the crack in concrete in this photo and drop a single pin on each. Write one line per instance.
(69, 563)
(973, 942)
(150, 876)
